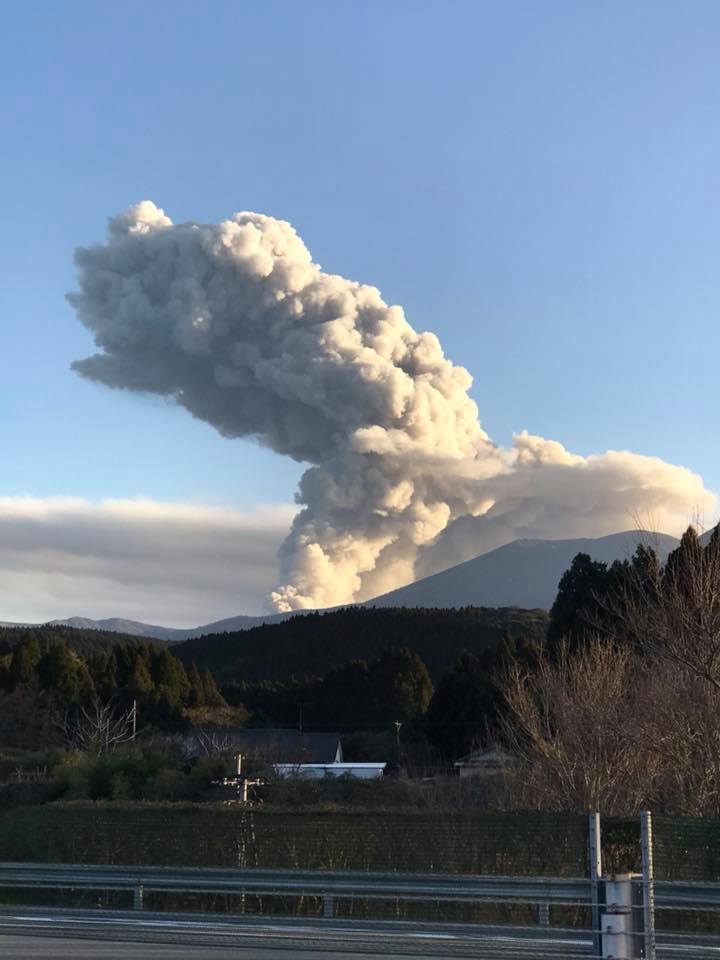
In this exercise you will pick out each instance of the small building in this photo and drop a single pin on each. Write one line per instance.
(484, 763)
(321, 771)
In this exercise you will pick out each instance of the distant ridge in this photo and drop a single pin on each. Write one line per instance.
(135, 628)
(524, 574)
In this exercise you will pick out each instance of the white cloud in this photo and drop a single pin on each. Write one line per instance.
(175, 564)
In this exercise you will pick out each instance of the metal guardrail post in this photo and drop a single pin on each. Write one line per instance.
(619, 939)
(138, 895)
(543, 914)
(648, 875)
(328, 906)
(595, 858)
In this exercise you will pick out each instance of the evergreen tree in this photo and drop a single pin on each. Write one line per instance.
(171, 682)
(196, 697)
(684, 563)
(462, 706)
(63, 674)
(140, 684)
(574, 614)
(400, 685)
(25, 659)
(211, 695)
(125, 658)
(343, 697)
(103, 670)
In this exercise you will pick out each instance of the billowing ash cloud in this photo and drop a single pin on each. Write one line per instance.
(238, 325)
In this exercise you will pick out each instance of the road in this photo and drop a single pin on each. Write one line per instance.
(41, 934)
(116, 935)
(40, 948)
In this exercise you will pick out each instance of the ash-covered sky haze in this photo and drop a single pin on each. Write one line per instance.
(535, 184)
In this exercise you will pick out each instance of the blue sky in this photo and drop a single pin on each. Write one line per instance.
(535, 182)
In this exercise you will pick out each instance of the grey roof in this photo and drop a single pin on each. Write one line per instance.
(279, 746)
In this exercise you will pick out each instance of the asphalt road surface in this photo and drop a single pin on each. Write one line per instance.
(42, 934)
(46, 948)
(107, 935)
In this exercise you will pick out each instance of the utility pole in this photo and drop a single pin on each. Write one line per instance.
(398, 725)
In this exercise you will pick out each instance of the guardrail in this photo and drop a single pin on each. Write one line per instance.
(542, 891)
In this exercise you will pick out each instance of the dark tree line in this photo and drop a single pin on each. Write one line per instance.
(42, 675)
(316, 643)
(362, 697)
(597, 599)
(359, 695)
(623, 710)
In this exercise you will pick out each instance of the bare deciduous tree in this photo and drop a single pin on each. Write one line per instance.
(213, 743)
(566, 723)
(634, 718)
(100, 728)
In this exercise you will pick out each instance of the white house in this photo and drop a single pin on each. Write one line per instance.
(321, 771)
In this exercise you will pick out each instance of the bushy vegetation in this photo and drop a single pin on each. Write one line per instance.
(156, 769)
(54, 682)
(623, 709)
(143, 772)
(617, 708)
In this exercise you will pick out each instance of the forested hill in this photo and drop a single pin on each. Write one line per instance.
(313, 644)
(86, 643)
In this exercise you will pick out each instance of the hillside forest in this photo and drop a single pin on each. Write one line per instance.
(611, 701)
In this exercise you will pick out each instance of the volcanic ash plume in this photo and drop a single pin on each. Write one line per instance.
(238, 325)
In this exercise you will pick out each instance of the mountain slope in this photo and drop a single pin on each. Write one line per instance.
(523, 574)
(135, 628)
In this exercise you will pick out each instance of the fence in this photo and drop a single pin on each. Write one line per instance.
(537, 874)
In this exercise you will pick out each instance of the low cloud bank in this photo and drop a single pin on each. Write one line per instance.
(169, 563)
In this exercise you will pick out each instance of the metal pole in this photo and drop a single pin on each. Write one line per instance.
(595, 857)
(648, 875)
